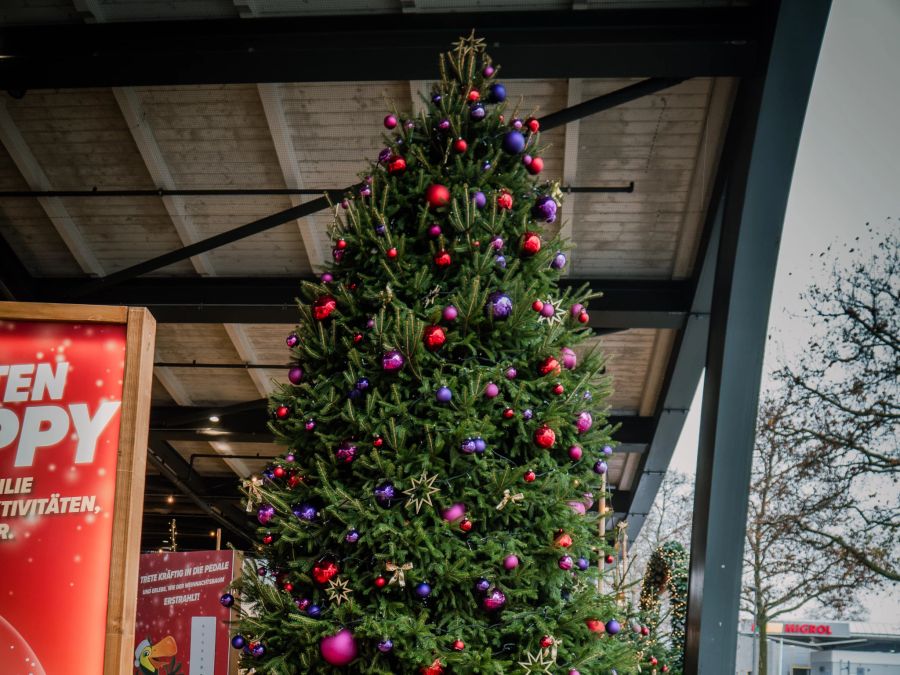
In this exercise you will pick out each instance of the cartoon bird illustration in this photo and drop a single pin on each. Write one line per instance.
(157, 659)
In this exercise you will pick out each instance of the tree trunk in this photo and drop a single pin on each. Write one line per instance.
(763, 655)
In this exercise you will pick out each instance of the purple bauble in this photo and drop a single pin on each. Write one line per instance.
(434, 231)
(444, 125)
(449, 313)
(497, 93)
(527, 414)
(584, 421)
(576, 309)
(568, 357)
(582, 564)
(295, 375)
(380, 229)
(600, 467)
(479, 199)
(338, 254)
(491, 390)
(365, 191)
(310, 425)
(559, 261)
(513, 142)
(477, 112)
(262, 571)
(327, 278)
(500, 261)
(265, 513)
(486, 166)
(480, 445)
(497, 243)
(370, 323)
(352, 536)
(613, 627)
(565, 563)
(494, 600)
(574, 672)
(488, 71)
(511, 562)
(384, 155)
(607, 450)
(292, 340)
(436, 98)
(385, 495)
(468, 446)
(302, 604)
(346, 452)
(314, 611)
(385, 646)
(238, 641)
(289, 457)
(227, 600)
(444, 395)
(517, 124)
(548, 310)
(545, 209)
(423, 590)
(362, 384)
(511, 373)
(577, 507)
(392, 361)
(499, 305)
(258, 650)
(527, 159)
(482, 585)
(454, 512)
(305, 511)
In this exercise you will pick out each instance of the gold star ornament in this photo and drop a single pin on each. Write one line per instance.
(537, 663)
(421, 491)
(338, 591)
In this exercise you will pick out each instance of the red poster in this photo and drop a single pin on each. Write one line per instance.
(181, 625)
(60, 400)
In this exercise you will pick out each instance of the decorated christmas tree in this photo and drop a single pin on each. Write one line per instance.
(444, 440)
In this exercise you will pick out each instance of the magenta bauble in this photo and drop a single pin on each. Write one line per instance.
(511, 562)
(454, 512)
(392, 361)
(584, 421)
(494, 600)
(568, 358)
(575, 453)
(295, 374)
(338, 649)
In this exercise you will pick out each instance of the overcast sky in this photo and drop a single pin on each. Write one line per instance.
(846, 175)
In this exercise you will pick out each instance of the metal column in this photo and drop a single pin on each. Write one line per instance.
(755, 201)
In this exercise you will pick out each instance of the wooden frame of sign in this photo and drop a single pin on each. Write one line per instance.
(131, 460)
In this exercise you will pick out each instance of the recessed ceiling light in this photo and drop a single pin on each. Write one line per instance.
(213, 418)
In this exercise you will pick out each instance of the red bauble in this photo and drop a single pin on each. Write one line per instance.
(324, 571)
(391, 253)
(378, 442)
(436, 668)
(396, 165)
(509, 413)
(548, 366)
(531, 243)
(595, 626)
(645, 631)
(544, 437)
(546, 641)
(537, 305)
(282, 411)
(459, 645)
(460, 145)
(433, 337)
(294, 480)
(268, 539)
(341, 244)
(533, 125)
(583, 317)
(665, 669)
(505, 200)
(530, 476)
(536, 166)
(357, 338)
(437, 195)
(563, 540)
(610, 559)
(288, 586)
(653, 660)
(380, 582)
(558, 390)
(474, 95)
(442, 259)
(465, 525)
(278, 472)
(323, 306)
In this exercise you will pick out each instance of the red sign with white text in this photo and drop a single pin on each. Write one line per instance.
(60, 401)
(181, 626)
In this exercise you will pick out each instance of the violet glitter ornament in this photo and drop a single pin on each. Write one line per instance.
(479, 199)
(305, 511)
(392, 361)
(444, 125)
(565, 563)
(497, 243)
(559, 261)
(482, 585)
(346, 452)
(436, 98)
(545, 209)
(500, 261)
(486, 166)
(385, 494)
(600, 467)
(314, 611)
(362, 384)
(494, 600)
(423, 590)
(513, 143)
(384, 155)
(449, 313)
(295, 375)
(584, 421)
(227, 600)
(365, 191)
(302, 604)
(265, 513)
(352, 536)
(444, 395)
(527, 414)
(238, 641)
(607, 450)
(385, 646)
(582, 564)
(468, 446)
(517, 124)
(337, 254)
(477, 112)
(258, 650)
(380, 229)
(292, 340)
(480, 445)
(511, 373)
(310, 425)
(499, 305)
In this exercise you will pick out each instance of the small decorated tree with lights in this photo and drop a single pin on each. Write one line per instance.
(432, 511)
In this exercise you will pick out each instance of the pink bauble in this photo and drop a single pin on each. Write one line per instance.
(575, 453)
(576, 309)
(568, 358)
(584, 421)
(338, 649)
(454, 512)
(511, 562)
(577, 507)
(449, 313)
(491, 390)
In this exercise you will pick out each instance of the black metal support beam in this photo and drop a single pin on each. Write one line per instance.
(595, 105)
(15, 281)
(625, 304)
(173, 467)
(596, 43)
(753, 216)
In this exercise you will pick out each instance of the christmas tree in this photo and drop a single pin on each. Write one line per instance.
(445, 442)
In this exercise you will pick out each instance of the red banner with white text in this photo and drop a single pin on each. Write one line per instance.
(60, 400)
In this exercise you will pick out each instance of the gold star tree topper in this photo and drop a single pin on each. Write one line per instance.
(421, 491)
